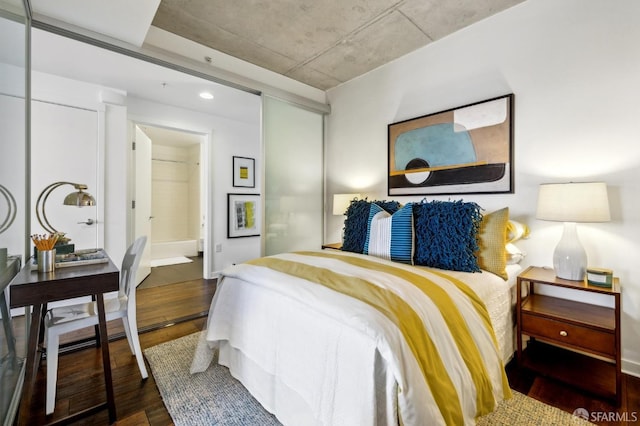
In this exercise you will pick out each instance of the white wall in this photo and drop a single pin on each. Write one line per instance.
(196, 221)
(172, 175)
(574, 68)
(12, 160)
(226, 138)
(116, 183)
(58, 90)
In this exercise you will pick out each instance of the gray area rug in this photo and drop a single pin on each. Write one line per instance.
(213, 397)
(216, 398)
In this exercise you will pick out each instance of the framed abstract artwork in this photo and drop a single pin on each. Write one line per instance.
(244, 172)
(464, 150)
(243, 213)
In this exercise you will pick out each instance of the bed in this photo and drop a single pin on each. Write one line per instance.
(341, 338)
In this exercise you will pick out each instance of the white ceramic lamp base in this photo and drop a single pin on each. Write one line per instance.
(569, 257)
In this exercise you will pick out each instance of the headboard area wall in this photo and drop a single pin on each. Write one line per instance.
(575, 119)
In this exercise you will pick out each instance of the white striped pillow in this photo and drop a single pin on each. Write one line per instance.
(390, 236)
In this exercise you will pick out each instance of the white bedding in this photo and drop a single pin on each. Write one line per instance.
(306, 354)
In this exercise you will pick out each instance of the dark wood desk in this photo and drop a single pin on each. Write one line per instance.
(30, 288)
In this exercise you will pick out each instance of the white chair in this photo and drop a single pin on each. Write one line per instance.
(69, 318)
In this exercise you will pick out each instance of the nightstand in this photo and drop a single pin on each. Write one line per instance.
(334, 246)
(575, 342)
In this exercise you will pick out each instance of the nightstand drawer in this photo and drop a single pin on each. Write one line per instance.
(600, 342)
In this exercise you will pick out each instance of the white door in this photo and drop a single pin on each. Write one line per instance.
(142, 198)
(65, 147)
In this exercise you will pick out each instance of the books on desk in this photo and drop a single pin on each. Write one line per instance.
(77, 258)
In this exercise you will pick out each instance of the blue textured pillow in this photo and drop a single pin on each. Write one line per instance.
(390, 236)
(446, 235)
(355, 225)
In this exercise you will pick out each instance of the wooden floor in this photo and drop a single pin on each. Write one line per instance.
(601, 411)
(138, 402)
(169, 312)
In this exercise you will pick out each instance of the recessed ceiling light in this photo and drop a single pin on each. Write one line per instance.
(206, 95)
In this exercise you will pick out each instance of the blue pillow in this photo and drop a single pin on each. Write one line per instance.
(390, 236)
(356, 223)
(446, 235)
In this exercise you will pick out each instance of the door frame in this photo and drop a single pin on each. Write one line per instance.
(206, 186)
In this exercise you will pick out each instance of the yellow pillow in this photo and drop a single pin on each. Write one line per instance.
(516, 231)
(492, 239)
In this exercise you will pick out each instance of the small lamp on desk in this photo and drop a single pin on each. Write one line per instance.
(571, 203)
(78, 198)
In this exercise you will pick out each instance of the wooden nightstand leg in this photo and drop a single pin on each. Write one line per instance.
(618, 351)
(519, 321)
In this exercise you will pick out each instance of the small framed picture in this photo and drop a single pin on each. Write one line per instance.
(244, 172)
(243, 215)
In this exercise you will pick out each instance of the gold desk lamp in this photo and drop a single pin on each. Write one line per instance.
(78, 198)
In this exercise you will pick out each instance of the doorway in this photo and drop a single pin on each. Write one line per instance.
(169, 206)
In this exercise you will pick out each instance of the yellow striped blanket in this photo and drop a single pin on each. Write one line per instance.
(431, 329)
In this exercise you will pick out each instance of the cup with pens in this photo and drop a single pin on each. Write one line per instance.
(46, 252)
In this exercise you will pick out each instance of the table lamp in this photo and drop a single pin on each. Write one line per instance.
(571, 203)
(78, 198)
(341, 202)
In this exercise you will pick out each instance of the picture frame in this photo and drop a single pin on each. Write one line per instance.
(244, 172)
(463, 150)
(243, 215)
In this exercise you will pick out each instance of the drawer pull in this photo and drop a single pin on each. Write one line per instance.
(564, 333)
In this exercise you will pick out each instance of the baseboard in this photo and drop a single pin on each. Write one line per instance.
(215, 275)
(631, 368)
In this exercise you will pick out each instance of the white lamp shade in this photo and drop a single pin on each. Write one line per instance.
(341, 202)
(573, 202)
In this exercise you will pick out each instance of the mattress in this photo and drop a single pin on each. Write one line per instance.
(311, 359)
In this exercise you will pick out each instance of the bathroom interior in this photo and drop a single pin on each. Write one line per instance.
(177, 219)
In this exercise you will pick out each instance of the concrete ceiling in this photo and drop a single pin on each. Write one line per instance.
(320, 43)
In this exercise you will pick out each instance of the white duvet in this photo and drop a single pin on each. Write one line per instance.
(313, 356)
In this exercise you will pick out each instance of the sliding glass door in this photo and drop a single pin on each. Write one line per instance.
(14, 110)
(13, 132)
(294, 175)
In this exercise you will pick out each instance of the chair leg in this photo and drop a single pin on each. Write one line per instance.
(53, 343)
(127, 332)
(135, 342)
